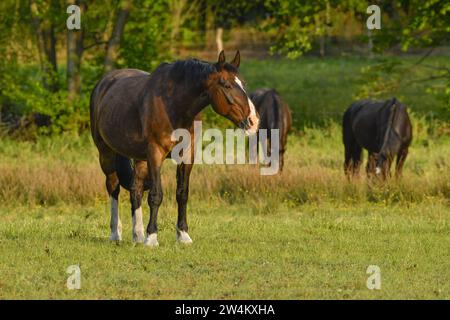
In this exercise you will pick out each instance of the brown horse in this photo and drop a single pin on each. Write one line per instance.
(133, 114)
(274, 113)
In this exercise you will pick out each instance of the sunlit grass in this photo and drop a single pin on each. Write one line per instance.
(307, 233)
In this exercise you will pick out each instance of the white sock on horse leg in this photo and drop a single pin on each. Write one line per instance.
(138, 226)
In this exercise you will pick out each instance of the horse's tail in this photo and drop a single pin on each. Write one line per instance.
(347, 124)
(124, 171)
(276, 109)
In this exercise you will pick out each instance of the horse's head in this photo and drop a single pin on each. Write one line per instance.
(228, 96)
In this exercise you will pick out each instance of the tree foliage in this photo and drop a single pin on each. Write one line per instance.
(34, 89)
(40, 86)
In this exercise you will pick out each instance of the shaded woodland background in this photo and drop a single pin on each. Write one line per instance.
(47, 72)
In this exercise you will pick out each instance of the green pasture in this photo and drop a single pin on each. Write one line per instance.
(306, 234)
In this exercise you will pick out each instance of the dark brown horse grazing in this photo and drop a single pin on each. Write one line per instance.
(383, 128)
(274, 113)
(133, 115)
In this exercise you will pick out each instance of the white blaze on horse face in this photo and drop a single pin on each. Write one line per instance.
(138, 226)
(253, 116)
(115, 224)
(152, 240)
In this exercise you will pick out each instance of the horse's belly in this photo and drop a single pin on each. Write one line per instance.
(132, 151)
(122, 132)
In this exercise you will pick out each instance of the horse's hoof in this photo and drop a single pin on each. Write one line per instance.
(183, 237)
(151, 240)
(138, 238)
(115, 237)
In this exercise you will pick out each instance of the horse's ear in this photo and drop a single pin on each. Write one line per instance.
(237, 60)
(221, 60)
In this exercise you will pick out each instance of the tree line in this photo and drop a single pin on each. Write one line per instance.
(47, 70)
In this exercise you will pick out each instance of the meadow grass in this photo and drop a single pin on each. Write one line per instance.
(312, 251)
(307, 233)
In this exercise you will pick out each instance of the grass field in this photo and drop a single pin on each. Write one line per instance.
(308, 233)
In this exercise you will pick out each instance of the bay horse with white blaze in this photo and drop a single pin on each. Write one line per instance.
(133, 114)
(381, 127)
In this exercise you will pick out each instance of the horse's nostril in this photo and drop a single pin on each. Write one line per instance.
(250, 121)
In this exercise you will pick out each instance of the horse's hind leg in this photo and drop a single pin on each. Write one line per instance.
(107, 163)
(401, 157)
(352, 159)
(136, 193)
(356, 159)
(349, 145)
(282, 159)
(352, 155)
(348, 161)
(283, 143)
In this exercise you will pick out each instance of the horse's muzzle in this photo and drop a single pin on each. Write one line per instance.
(249, 125)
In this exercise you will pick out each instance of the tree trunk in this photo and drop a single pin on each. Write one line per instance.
(370, 43)
(322, 46)
(180, 11)
(203, 9)
(50, 51)
(112, 49)
(74, 55)
(176, 8)
(46, 42)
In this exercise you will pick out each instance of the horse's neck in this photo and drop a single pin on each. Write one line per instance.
(188, 97)
(187, 108)
(391, 112)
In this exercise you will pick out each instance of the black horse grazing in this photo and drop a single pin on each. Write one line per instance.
(274, 113)
(133, 114)
(383, 128)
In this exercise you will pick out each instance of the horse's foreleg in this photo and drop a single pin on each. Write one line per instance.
(386, 169)
(113, 187)
(183, 174)
(136, 192)
(154, 161)
(371, 164)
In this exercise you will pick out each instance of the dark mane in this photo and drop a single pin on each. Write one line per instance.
(191, 71)
(194, 71)
(230, 68)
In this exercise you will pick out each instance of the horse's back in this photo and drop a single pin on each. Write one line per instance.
(111, 79)
(114, 76)
(361, 121)
(273, 111)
